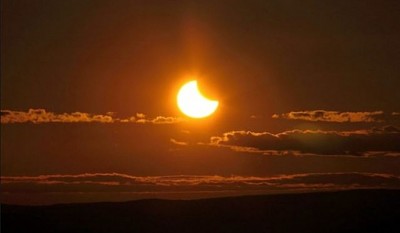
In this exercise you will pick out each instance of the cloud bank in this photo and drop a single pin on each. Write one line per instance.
(39, 116)
(116, 182)
(332, 116)
(89, 187)
(385, 140)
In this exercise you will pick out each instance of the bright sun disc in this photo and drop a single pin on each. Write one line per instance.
(192, 103)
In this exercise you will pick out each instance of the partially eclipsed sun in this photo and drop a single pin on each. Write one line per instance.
(192, 103)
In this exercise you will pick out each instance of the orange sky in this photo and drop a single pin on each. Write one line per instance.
(308, 95)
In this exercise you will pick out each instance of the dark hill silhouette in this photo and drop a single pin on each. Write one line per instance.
(344, 211)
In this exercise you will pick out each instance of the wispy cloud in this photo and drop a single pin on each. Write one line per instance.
(116, 182)
(141, 118)
(332, 116)
(176, 142)
(385, 140)
(39, 116)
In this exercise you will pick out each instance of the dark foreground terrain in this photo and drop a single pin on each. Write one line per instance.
(346, 211)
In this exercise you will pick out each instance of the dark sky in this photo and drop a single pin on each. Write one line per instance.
(306, 88)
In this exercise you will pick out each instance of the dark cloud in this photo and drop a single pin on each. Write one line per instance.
(332, 116)
(318, 142)
(38, 116)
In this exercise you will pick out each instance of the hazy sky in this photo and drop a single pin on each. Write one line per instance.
(308, 90)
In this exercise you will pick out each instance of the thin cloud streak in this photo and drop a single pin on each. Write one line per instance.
(179, 143)
(141, 118)
(39, 116)
(332, 116)
(117, 182)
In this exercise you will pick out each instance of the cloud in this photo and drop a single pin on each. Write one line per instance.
(42, 116)
(116, 182)
(316, 142)
(176, 142)
(160, 120)
(255, 116)
(38, 116)
(332, 116)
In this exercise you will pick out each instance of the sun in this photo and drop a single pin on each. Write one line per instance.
(193, 104)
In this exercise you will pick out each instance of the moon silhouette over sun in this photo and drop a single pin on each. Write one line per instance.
(193, 104)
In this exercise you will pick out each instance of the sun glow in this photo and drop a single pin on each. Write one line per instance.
(193, 104)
